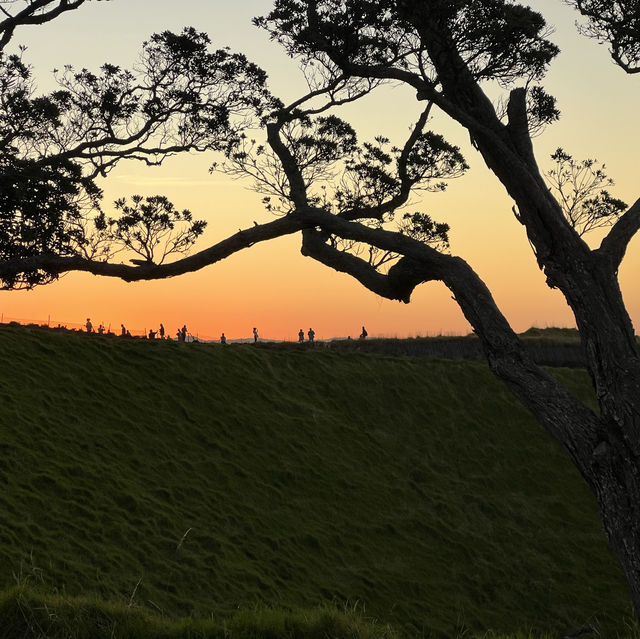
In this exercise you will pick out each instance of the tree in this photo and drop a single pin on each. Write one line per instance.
(53, 147)
(152, 228)
(343, 195)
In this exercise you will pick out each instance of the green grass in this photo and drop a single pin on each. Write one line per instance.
(25, 613)
(197, 480)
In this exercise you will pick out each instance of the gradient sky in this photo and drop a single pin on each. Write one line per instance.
(271, 285)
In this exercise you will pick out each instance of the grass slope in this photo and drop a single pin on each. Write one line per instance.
(195, 479)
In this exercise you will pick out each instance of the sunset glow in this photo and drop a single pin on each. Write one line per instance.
(272, 286)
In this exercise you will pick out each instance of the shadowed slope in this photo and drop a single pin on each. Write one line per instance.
(192, 478)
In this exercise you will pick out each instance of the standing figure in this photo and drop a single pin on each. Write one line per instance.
(89, 326)
(364, 333)
(123, 330)
(255, 334)
(183, 331)
(161, 331)
(223, 339)
(311, 335)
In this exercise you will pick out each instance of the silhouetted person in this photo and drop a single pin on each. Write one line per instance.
(364, 333)
(152, 334)
(161, 331)
(223, 339)
(255, 334)
(183, 330)
(300, 336)
(89, 326)
(123, 330)
(128, 334)
(179, 335)
(101, 329)
(311, 334)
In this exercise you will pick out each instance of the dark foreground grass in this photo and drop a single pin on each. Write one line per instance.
(196, 480)
(28, 614)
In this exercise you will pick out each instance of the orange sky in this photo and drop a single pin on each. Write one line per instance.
(272, 286)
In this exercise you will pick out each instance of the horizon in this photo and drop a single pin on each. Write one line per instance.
(113, 330)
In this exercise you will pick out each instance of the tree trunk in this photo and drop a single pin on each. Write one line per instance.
(617, 488)
(605, 448)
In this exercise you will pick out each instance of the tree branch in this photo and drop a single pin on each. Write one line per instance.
(297, 186)
(30, 15)
(543, 395)
(55, 264)
(406, 184)
(614, 245)
(518, 126)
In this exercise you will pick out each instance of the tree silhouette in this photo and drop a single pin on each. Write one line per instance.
(153, 228)
(53, 147)
(343, 196)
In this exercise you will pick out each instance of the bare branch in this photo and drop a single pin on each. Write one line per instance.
(614, 245)
(35, 12)
(297, 186)
(56, 265)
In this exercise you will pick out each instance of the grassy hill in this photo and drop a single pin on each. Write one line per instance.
(196, 480)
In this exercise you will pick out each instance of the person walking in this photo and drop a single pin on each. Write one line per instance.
(300, 336)
(89, 326)
(255, 334)
(311, 334)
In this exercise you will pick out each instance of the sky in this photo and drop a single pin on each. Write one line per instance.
(271, 285)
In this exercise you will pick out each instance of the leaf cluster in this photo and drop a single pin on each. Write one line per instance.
(40, 209)
(151, 227)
